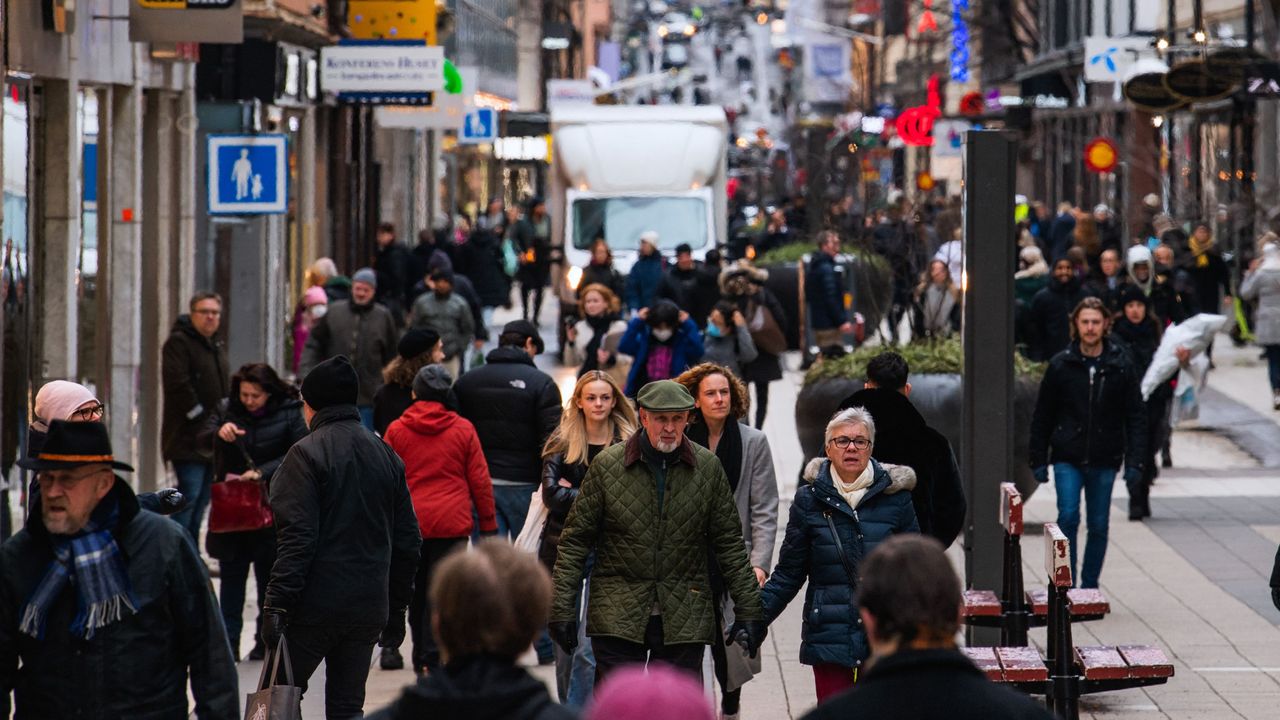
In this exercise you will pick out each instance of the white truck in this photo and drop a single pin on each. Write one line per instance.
(620, 170)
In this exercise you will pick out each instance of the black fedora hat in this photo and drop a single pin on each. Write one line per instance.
(74, 444)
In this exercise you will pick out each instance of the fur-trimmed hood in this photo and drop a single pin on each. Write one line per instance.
(901, 477)
(740, 271)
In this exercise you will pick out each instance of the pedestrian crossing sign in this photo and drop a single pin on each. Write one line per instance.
(247, 174)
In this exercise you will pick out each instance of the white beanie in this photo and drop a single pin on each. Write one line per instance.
(59, 398)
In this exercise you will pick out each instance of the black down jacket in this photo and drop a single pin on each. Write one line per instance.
(832, 631)
(347, 538)
(515, 407)
(559, 501)
(1093, 419)
(266, 440)
(1051, 318)
(194, 374)
(136, 668)
(476, 688)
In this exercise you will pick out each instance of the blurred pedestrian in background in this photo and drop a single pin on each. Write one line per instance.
(418, 348)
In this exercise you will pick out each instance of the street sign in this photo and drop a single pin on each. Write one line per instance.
(481, 126)
(247, 174)
(1101, 155)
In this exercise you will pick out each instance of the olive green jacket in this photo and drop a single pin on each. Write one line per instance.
(646, 554)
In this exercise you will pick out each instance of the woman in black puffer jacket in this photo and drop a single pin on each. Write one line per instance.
(596, 417)
(250, 433)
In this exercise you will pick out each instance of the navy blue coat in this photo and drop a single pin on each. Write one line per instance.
(643, 281)
(832, 631)
(822, 290)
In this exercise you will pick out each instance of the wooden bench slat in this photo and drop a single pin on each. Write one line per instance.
(1011, 508)
(981, 602)
(1146, 661)
(1099, 662)
(1022, 664)
(1090, 601)
(1039, 601)
(985, 659)
(1057, 559)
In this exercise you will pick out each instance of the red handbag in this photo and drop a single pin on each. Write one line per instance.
(237, 505)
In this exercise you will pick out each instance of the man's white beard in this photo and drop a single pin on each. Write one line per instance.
(667, 447)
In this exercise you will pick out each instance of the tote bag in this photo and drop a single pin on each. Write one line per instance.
(272, 701)
(237, 505)
(530, 538)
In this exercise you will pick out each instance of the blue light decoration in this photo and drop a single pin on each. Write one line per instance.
(959, 41)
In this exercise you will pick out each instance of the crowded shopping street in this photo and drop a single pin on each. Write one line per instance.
(636, 359)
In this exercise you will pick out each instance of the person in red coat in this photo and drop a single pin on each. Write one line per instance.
(447, 476)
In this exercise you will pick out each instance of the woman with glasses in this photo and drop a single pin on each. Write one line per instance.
(250, 433)
(846, 506)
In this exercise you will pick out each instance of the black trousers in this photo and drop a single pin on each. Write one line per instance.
(426, 654)
(346, 651)
(613, 653)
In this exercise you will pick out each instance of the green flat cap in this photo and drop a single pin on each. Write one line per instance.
(664, 396)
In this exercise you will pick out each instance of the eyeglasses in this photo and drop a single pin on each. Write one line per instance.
(93, 412)
(843, 442)
(208, 312)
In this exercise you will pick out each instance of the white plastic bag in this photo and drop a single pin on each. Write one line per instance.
(1194, 334)
(1186, 398)
(530, 538)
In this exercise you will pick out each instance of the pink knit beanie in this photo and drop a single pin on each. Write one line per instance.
(631, 693)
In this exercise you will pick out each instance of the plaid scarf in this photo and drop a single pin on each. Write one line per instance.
(91, 561)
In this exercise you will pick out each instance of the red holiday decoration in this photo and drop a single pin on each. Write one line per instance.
(973, 104)
(915, 124)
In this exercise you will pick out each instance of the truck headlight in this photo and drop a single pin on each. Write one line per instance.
(574, 278)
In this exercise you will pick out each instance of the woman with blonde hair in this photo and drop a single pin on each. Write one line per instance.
(721, 403)
(596, 416)
(593, 340)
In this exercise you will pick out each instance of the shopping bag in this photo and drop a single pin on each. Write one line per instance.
(764, 329)
(272, 701)
(535, 520)
(237, 505)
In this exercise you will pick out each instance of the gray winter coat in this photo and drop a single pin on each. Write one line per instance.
(366, 334)
(756, 497)
(733, 351)
(1263, 285)
(451, 318)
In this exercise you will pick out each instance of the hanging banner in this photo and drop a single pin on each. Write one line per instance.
(392, 20)
(186, 21)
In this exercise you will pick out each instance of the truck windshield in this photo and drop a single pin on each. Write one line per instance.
(620, 220)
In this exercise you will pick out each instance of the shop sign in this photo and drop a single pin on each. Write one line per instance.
(446, 114)
(247, 174)
(392, 20)
(1101, 155)
(382, 67)
(186, 21)
(1107, 59)
(873, 124)
(915, 124)
(972, 104)
(1193, 81)
(1263, 80)
(523, 149)
(570, 92)
(1144, 86)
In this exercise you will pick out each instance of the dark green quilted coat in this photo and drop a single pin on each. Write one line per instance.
(645, 553)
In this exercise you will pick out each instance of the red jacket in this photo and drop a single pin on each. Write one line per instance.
(445, 469)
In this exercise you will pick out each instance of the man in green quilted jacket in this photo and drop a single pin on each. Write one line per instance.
(654, 510)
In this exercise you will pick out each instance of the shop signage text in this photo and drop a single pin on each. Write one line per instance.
(382, 67)
(523, 149)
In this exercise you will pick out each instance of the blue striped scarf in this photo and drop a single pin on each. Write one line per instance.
(91, 561)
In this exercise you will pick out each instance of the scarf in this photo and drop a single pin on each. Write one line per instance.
(853, 492)
(1200, 251)
(729, 451)
(599, 329)
(90, 561)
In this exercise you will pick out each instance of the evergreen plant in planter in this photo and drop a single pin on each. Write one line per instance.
(936, 391)
(872, 281)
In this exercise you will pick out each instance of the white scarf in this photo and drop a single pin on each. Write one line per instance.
(853, 492)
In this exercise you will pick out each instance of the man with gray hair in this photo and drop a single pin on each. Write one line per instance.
(651, 510)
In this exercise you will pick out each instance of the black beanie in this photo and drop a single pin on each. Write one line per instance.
(332, 382)
(1132, 293)
(416, 342)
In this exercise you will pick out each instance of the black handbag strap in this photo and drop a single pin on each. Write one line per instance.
(273, 662)
(844, 559)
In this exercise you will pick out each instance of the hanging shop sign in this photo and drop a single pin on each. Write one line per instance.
(523, 149)
(382, 68)
(1144, 87)
(1233, 62)
(915, 124)
(177, 21)
(392, 20)
(1263, 80)
(928, 23)
(959, 41)
(973, 104)
(1193, 81)
(1108, 59)
(1101, 155)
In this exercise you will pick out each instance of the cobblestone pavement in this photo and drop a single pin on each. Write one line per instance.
(1192, 580)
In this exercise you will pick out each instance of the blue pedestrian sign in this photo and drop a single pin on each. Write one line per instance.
(480, 126)
(248, 174)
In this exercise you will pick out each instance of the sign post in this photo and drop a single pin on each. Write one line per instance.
(248, 174)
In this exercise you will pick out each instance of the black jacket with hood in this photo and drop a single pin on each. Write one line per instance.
(1051, 317)
(476, 688)
(515, 407)
(347, 538)
(135, 668)
(194, 373)
(904, 438)
(1090, 418)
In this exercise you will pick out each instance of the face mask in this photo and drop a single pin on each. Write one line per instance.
(662, 335)
(714, 331)
(318, 311)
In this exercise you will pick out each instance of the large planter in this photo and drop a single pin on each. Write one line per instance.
(938, 397)
(869, 282)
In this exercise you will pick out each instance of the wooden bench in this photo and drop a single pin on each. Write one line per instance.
(1016, 610)
(1070, 671)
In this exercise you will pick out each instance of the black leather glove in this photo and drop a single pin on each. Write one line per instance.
(1041, 473)
(564, 633)
(274, 622)
(393, 634)
(749, 634)
(171, 500)
(1275, 597)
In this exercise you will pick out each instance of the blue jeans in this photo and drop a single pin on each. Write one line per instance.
(512, 504)
(1096, 483)
(194, 484)
(1273, 366)
(576, 673)
(235, 578)
(366, 416)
